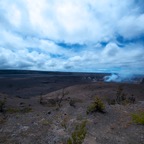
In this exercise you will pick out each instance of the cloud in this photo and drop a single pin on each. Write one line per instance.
(74, 35)
(131, 26)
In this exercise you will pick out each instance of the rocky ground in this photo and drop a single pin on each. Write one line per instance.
(51, 118)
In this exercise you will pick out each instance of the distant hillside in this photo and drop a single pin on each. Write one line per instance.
(52, 73)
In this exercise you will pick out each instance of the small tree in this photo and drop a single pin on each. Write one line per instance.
(97, 105)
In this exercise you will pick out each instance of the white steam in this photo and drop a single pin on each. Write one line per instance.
(119, 78)
(111, 78)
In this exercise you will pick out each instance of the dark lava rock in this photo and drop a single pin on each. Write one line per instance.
(142, 82)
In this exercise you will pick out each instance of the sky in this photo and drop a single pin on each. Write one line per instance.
(72, 35)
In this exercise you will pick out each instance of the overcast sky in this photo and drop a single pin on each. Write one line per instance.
(72, 35)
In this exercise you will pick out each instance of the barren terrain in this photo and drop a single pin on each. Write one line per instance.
(46, 110)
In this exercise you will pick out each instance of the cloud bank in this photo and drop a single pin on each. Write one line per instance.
(74, 35)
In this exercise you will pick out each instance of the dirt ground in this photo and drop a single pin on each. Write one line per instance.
(45, 111)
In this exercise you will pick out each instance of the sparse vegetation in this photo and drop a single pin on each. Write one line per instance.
(72, 103)
(121, 98)
(96, 106)
(18, 110)
(26, 110)
(138, 118)
(131, 99)
(46, 122)
(12, 110)
(2, 105)
(59, 101)
(79, 134)
(79, 117)
(41, 99)
(2, 120)
(111, 101)
(64, 122)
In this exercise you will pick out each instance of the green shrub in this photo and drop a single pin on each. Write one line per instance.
(79, 134)
(96, 106)
(138, 118)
